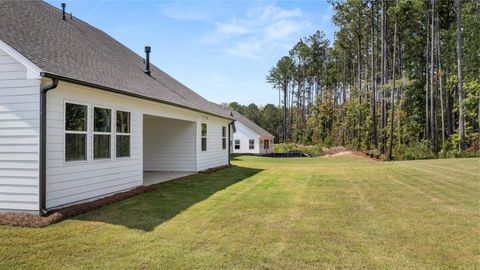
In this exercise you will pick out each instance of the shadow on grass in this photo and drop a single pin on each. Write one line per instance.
(148, 210)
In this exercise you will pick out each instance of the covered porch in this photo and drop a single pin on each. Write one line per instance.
(169, 149)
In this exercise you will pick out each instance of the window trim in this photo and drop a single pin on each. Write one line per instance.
(235, 144)
(112, 120)
(224, 138)
(250, 144)
(65, 132)
(203, 137)
(123, 134)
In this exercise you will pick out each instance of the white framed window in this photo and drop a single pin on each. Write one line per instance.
(224, 138)
(123, 134)
(237, 144)
(204, 137)
(102, 133)
(76, 129)
(251, 144)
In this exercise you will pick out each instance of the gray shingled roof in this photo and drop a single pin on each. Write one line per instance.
(251, 125)
(76, 50)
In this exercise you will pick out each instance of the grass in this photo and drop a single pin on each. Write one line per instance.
(310, 213)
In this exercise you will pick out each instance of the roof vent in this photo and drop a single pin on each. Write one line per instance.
(63, 11)
(147, 59)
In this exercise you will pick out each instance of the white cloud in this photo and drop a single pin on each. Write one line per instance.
(232, 28)
(264, 31)
(283, 29)
(181, 12)
(259, 32)
(271, 12)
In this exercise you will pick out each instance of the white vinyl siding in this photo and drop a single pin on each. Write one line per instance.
(245, 135)
(169, 145)
(19, 136)
(215, 156)
(69, 183)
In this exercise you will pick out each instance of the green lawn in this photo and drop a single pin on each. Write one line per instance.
(310, 213)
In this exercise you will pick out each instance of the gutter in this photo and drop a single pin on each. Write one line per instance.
(43, 145)
(113, 90)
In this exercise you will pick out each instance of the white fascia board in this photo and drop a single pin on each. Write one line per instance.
(33, 72)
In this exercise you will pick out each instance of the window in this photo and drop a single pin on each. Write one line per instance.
(204, 137)
(224, 138)
(102, 128)
(123, 133)
(251, 144)
(237, 144)
(76, 123)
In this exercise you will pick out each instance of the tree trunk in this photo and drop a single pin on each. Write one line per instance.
(427, 113)
(392, 116)
(433, 124)
(359, 83)
(461, 117)
(372, 81)
(448, 100)
(285, 93)
(382, 147)
(440, 76)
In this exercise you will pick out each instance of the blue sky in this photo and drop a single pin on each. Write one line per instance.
(220, 49)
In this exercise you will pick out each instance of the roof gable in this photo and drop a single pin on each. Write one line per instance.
(251, 125)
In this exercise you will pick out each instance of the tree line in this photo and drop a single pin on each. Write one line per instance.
(399, 75)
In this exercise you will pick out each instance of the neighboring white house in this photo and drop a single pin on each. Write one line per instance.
(82, 116)
(249, 138)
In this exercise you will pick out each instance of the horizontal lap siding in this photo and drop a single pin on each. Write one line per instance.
(215, 156)
(69, 183)
(169, 145)
(245, 134)
(19, 136)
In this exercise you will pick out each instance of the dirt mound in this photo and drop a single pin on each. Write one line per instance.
(333, 150)
(343, 153)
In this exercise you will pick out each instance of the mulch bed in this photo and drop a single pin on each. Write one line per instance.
(57, 215)
(37, 221)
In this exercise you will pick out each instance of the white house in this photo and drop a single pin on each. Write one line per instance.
(82, 116)
(249, 138)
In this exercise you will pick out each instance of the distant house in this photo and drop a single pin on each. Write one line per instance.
(82, 116)
(249, 138)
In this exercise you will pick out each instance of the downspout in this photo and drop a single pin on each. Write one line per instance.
(230, 142)
(43, 145)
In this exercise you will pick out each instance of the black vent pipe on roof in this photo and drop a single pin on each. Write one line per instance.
(147, 59)
(63, 12)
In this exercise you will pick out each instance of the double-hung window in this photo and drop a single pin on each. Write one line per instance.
(76, 123)
(237, 144)
(123, 134)
(224, 138)
(102, 133)
(204, 137)
(251, 144)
